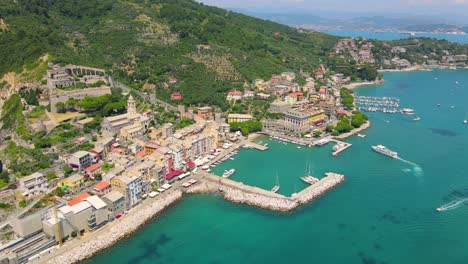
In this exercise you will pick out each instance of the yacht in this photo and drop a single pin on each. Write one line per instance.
(407, 111)
(440, 209)
(385, 151)
(277, 186)
(228, 173)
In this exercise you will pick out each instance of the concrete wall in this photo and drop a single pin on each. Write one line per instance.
(27, 226)
(77, 94)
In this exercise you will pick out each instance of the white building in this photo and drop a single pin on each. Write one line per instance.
(33, 184)
(81, 159)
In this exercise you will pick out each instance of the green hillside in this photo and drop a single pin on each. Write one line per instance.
(141, 41)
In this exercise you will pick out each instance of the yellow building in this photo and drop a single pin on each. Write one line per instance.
(74, 183)
(239, 118)
(316, 116)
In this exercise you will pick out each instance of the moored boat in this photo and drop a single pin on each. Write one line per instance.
(228, 173)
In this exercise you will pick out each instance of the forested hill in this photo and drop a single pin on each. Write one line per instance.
(152, 41)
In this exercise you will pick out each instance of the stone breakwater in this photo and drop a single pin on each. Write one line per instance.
(355, 131)
(126, 226)
(264, 199)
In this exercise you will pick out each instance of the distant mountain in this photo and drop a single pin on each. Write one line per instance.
(377, 23)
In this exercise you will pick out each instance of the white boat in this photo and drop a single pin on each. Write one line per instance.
(466, 119)
(277, 186)
(361, 135)
(407, 111)
(228, 173)
(385, 151)
(417, 118)
(440, 209)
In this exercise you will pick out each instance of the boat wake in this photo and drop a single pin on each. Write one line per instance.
(453, 204)
(417, 170)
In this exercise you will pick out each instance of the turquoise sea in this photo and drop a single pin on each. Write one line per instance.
(383, 213)
(395, 35)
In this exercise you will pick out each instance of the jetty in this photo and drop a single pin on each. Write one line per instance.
(240, 193)
(254, 145)
(340, 147)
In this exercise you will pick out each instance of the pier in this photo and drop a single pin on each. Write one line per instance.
(240, 193)
(342, 146)
(255, 145)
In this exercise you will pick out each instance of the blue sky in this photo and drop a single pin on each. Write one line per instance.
(432, 7)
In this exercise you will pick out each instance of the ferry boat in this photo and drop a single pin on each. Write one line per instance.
(228, 173)
(407, 111)
(385, 151)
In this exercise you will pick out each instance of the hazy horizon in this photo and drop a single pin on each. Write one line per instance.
(450, 10)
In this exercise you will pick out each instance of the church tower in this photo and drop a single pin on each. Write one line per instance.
(131, 107)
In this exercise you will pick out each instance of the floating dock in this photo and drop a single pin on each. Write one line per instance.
(255, 146)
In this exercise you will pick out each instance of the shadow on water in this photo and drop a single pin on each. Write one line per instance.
(444, 132)
(150, 249)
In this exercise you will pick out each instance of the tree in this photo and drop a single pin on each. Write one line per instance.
(51, 175)
(67, 170)
(317, 133)
(60, 107)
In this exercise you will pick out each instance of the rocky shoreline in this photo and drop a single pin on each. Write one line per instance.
(127, 226)
(95, 243)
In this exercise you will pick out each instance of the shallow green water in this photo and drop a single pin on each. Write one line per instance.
(383, 212)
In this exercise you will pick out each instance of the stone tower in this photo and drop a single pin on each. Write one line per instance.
(131, 107)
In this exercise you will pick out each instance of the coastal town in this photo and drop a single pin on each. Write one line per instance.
(139, 154)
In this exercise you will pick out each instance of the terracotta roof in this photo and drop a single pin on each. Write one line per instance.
(296, 94)
(322, 91)
(93, 167)
(141, 153)
(102, 185)
(235, 93)
(78, 198)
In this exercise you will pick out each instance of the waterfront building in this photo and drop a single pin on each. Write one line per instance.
(297, 118)
(77, 199)
(33, 184)
(74, 184)
(84, 216)
(115, 202)
(239, 118)
(130, 187)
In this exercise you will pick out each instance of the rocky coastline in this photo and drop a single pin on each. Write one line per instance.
(122, 229)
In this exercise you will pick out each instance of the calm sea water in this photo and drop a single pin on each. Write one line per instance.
(383, 213)
(396, 35)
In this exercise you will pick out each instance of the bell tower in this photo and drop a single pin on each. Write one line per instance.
(131, 108)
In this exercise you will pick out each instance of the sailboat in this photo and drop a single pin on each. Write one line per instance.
(466, 118)
(277, 186)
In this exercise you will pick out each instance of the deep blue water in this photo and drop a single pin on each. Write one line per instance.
(383, 213)
(395, 35)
